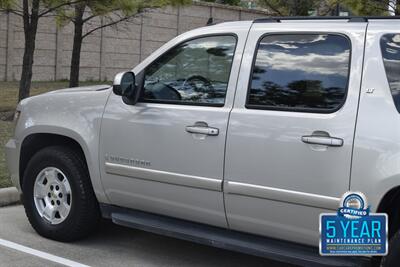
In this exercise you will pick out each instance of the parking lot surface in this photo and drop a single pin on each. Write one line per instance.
(111, 245)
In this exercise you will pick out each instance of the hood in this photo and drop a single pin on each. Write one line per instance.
(68, 92)
(82, 89)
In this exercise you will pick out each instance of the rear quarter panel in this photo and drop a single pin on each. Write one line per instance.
(376, 154)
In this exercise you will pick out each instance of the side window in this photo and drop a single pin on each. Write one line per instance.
(194, 72)
(390, 47)
(300, 72)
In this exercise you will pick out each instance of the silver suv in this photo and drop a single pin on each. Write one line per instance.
(237, 135)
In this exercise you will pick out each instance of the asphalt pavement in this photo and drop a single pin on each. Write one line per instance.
(111, 245)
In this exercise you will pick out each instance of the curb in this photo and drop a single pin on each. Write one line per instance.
(8, 196)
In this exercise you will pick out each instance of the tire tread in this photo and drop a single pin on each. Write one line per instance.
(85, 217)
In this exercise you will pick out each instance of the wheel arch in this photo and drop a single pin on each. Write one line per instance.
(388, 205)
(34, 142)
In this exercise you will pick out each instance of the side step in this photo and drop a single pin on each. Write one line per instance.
(227, 239)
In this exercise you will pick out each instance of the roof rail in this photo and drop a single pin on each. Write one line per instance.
(348, 18)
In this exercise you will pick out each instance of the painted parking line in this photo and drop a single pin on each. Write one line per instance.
(40, 254)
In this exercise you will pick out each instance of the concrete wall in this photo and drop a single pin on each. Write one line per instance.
(109, 50)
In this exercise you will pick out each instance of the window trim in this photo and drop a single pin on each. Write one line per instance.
(384, 68)
(294, 109)
(173, 102)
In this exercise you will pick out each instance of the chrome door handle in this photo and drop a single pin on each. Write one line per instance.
(195, 129)
(322, 140)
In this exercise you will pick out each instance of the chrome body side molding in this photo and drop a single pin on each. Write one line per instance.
(277, 194)
(164, 177)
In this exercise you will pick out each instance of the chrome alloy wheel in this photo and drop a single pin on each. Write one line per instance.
(52, 195)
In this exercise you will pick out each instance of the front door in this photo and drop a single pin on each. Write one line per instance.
(290, 138)
(166, 153)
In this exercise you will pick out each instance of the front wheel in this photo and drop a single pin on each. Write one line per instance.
(58, 196)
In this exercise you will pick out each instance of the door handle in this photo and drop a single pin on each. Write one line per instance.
(322, 140)
(195, 129)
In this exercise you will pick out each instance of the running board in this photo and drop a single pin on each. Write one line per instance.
(274, 249)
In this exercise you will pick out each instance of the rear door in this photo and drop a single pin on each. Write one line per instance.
(290, 138)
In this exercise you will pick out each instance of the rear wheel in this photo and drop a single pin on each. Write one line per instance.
(58, 196)
(392, 259)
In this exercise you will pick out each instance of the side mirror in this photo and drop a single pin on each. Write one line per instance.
(124, 85)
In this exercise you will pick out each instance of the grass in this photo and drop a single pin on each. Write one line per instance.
(8, 103)
(5, 134)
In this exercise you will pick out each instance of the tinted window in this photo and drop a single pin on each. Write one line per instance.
(194, 72)
(390, 46)
(300, 72)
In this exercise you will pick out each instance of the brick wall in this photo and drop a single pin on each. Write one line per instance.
(109, 50)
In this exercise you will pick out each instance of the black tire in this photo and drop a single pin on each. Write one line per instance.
(392, 259)
(84, 212)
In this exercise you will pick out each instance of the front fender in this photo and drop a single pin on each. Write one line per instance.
(76, 115)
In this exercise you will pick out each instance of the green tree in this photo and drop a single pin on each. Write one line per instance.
(370, 7)
(111, 13)
(289, 7)
(363, 7)
(31, 11)
(226, 2)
